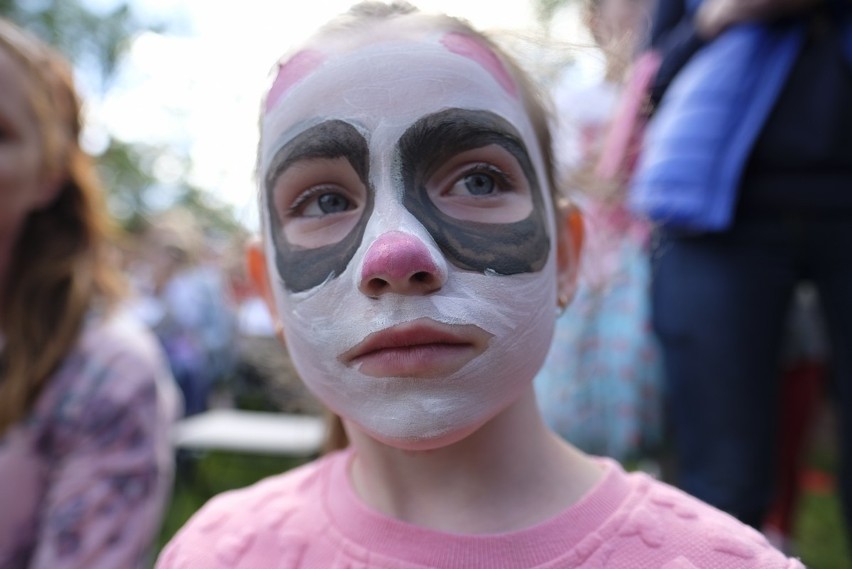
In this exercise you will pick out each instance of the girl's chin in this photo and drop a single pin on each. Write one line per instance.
(421, 438)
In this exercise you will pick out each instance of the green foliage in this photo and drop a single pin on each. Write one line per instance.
(126, 172)
(96, 43)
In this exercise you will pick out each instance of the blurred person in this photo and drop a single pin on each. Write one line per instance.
(747, 168)
(86, 398)
(600, 386)
(186, 301)
(415, 248)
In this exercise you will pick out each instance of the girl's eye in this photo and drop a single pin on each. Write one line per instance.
(320, 201)
(479, 184)
(481, 180)
(332, 203)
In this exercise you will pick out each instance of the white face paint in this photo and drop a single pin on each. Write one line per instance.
(381, 90)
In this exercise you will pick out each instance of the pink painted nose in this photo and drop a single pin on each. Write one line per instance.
(401, 263)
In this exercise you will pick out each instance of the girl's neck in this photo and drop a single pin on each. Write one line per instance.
(510, 474)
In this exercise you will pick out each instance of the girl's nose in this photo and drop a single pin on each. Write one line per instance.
(399, 262)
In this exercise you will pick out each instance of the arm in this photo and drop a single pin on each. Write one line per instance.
(678, 40)
(112, 463)
(674, 36)
(715, 16)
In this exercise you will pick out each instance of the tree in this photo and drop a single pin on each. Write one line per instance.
(93, 41)
(96, 43)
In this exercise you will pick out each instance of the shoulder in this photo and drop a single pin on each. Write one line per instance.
(253, 518)
(120, 336)
(116, 365)
(666, 524)
(123, 356)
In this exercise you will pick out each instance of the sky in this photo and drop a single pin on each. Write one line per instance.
(196, 88)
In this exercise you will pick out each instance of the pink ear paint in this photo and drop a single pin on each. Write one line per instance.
(397, 259)
(291, 72)
(473, 49)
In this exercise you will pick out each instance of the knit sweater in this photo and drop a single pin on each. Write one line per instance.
(311, 518)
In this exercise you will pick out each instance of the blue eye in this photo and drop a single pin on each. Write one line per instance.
(320, 201)
(333, 203)
(479, 184)
(481, 180)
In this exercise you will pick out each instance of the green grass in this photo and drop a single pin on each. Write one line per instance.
(820, 533)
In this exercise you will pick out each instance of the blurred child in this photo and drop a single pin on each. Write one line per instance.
(86, 398)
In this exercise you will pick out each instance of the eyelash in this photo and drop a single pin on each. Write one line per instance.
(504, 181)
(295, 209)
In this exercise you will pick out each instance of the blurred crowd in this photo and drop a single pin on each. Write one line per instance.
(712, 330)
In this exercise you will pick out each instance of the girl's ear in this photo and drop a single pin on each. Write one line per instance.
(569, 244)
(259, 277)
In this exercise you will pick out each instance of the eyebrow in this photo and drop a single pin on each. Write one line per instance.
(449, 132)
(327, 140)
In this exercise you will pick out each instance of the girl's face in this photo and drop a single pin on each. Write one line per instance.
(410, 235)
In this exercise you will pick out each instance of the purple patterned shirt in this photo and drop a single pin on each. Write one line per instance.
(85, 477)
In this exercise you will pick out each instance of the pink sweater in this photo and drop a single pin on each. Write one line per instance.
(85, 477)
(310, 518)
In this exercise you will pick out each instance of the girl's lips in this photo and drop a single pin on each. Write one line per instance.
(421, 348)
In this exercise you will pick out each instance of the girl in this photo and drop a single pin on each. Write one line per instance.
(86, 399)
(414, 256)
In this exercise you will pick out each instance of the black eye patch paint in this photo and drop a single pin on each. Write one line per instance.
(505, 248)
(301, 268)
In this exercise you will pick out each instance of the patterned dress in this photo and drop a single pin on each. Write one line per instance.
(601, 385)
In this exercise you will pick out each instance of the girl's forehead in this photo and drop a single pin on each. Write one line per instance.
(383, 87)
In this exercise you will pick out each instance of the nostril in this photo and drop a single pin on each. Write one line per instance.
(421, 277)
(377, 285)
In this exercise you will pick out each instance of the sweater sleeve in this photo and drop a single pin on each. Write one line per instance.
(111, 459)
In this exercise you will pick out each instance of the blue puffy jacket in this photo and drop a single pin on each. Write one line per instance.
(698, 143)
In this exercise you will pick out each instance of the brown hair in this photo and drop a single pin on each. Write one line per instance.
(365, 15)
(59, 269)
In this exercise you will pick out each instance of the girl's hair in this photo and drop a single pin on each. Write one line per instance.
(60, 266)
(364, 15)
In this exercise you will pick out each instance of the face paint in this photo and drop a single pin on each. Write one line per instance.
(505, 249)
(291, 72)
(474, 49)
(504, 324)
(301, 267)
